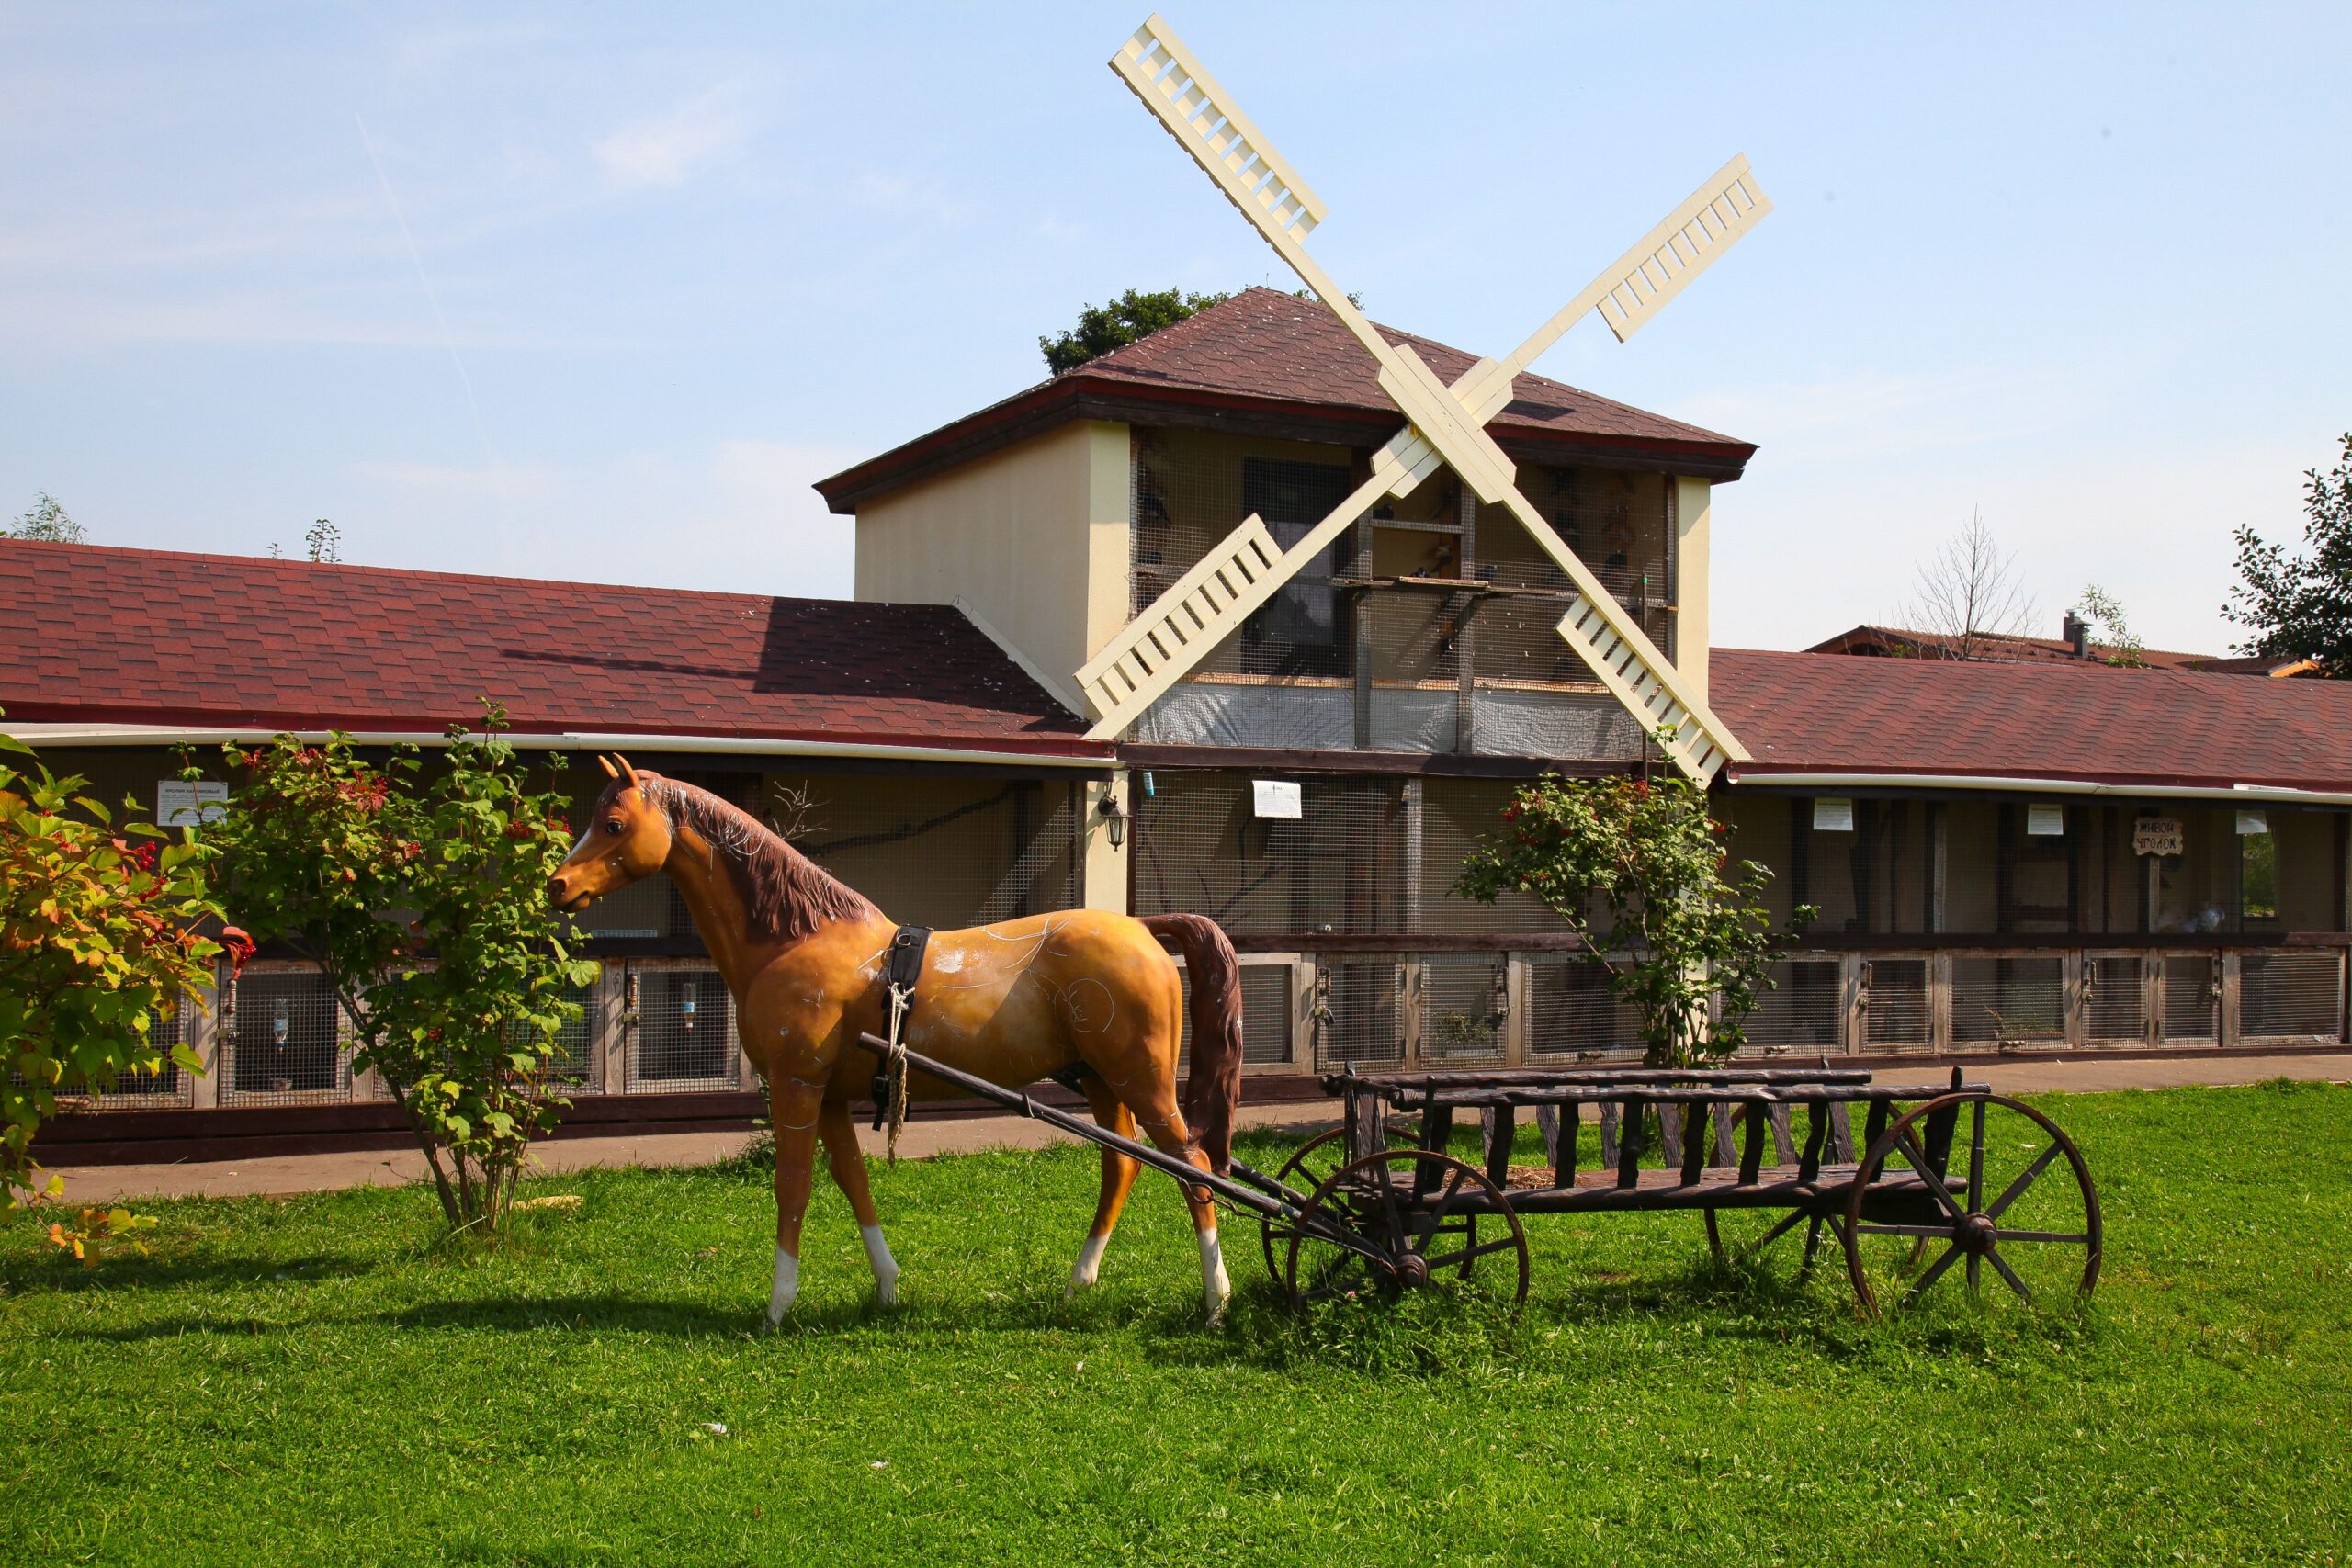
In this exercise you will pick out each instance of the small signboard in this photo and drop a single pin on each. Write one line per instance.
(2156, 836)
(179, 804)
(2045, 821)
(2253, 822)
(1275, 797)
(1833, 813)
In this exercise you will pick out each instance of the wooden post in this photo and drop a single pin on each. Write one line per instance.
(1302, 1014)
(200, 1027)
(2225, 1025)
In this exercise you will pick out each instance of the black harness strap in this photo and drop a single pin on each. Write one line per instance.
(901, 966)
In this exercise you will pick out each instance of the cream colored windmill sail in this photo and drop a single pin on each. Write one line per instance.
(1444, 423)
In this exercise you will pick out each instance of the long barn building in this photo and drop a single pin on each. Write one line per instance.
(2038, 853)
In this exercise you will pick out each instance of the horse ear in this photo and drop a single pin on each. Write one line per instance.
(627, 772)
(610, 771)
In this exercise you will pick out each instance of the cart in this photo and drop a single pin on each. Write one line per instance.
(1380, 1205)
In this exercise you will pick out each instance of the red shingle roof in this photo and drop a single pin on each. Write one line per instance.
(150, 637)
(1869, 642)
(1824, 713)
(1284, 357)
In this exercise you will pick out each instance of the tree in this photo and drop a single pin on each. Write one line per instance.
(100, 934)
(424, 905)
(1132, 316)
(1968, 592)
(47, 520)
(2299, 606)
(1638, 871)
(2124, 650)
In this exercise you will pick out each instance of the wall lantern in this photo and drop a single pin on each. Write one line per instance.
(1115, 818)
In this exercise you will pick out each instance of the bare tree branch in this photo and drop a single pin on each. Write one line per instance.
(1969, 593)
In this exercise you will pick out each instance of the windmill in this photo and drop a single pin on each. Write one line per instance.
(1444, 424)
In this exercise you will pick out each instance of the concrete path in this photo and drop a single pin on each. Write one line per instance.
(284, 1174)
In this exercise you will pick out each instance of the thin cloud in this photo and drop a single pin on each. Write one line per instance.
(664, 149)
(504, 481)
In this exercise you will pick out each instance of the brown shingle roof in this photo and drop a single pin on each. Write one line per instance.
(1821, 713)
(1284, 358)
(152, 637)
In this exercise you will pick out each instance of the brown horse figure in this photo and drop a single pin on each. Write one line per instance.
(803, 955)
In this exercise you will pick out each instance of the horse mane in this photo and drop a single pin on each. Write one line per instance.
(786, 896)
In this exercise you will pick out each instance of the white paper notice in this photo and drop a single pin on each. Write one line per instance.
(1276, 797)
(179, 804)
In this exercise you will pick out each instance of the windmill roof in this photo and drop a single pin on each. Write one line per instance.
(154, 636)
(1289, 362)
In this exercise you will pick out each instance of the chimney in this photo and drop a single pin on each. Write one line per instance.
(2077, 632)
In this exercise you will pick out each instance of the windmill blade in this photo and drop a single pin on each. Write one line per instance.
(1638, 284)
(1209, 125)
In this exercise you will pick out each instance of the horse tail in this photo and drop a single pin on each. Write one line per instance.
(1213, 1088)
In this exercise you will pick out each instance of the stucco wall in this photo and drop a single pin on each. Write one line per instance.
(1033, 538)
(1693, 517)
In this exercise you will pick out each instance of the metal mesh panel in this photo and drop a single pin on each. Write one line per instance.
(1365, 1018)
(1571, 1013)
(1340, 867)
(1619, 525)
(1463, 1009)
(284, 1044)
(944, 853)
(2008, 1001)
(1455, 813)
(1897, 1014)
(1265, 1015)
(2290, 996)
(683, 1038)
(2192, 999)
(167, 1086)
(2115, 1008)
(577, 1066)
(1805, 1010)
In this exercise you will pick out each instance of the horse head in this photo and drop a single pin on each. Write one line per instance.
(627, 837)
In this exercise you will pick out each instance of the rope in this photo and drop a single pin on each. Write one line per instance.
(894, 1067)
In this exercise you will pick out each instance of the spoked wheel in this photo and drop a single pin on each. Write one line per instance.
(1418, 1212)
(1314, 1162)
(2007, 1200)
(1778, 1244)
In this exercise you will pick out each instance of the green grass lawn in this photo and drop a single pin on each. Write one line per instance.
(320, 1381)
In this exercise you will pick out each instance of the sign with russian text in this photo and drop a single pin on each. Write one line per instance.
(2156, 836)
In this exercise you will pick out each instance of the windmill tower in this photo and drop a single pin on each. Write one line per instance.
(1444, 424)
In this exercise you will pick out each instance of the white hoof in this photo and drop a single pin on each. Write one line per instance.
(886, 1267)
(787, 1286)
(1089, 1267)
(1217, 1290)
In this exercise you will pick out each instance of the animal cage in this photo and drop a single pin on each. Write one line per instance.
(2290, 998)
(2007, 1002)
(1805, 1010)
(285, 1039)
(680, 1028)
(1269, 1015)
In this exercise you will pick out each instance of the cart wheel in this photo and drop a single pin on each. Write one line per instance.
(1314, 1163)
(1772, 1244)
(2010, 1197)
(1415, 1215)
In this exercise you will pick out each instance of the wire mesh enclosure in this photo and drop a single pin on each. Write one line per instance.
(1359, 1015)
(2115, 1000)
(1464, 1007)
(944, 853)
(577, 1066)
(2192, 983)
(681, 1029)
(2007, 1002)
(1619, 525)
(285, 1043)
(1571, 1014)
(2295, 997)
(1268, 1014)
(1897, 1010)
(1805, 1010)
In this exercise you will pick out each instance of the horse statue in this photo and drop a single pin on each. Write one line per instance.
(803, 955)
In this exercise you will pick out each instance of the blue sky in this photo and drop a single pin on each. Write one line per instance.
(595, 292)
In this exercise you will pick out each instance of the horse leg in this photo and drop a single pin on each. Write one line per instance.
(1155, 1109)
(847, 1162)
(792, 1110)
(1118, 1180)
